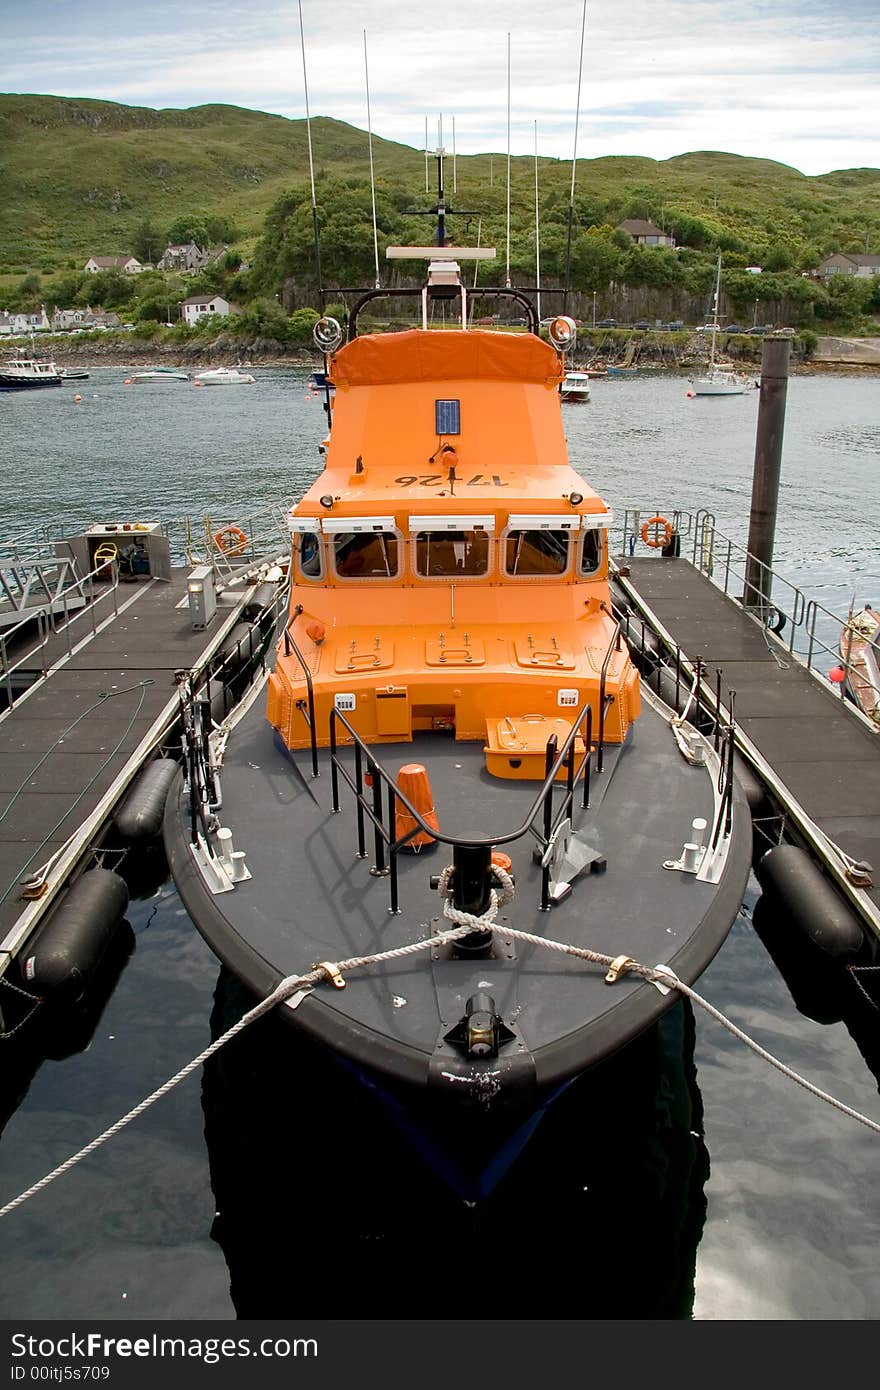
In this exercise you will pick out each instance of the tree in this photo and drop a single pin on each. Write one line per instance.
(220, 229)
(595, 260)
(779, 257)
(148, 244)
(191, 227)
(31, 286)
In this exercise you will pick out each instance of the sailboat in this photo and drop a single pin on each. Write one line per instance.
(720, 378)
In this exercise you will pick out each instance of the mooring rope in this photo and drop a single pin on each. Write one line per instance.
(465, 923)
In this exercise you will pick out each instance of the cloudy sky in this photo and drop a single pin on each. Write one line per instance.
(791, 80)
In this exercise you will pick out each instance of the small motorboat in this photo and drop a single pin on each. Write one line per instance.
(860, 655)
(158, 374)
(223, 376)
(73, 374)
(28, 373)
(575, 386)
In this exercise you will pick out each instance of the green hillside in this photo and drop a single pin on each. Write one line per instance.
(79, 177)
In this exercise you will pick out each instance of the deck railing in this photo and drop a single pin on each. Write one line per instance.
(380, 807)
(807, 628)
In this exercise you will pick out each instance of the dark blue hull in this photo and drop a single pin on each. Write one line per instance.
(7, 384)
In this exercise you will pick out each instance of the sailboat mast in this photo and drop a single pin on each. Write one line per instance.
(715, 312)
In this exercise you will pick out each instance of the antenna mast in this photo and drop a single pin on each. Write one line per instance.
(372, 178)
(508, 158)
(574, 163)
(537, 230)
(302, 42)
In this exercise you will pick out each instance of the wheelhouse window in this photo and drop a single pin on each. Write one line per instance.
(308, 550)
(365, 554)
(452, 554)
(541, 553)
(309, 559)
(590, 551)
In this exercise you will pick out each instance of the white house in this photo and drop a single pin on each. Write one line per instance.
(29, 323)
(128, 264)
(198, 306)
(6, 322)
(65, 319)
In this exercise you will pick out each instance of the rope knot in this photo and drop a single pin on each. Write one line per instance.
(497, 898)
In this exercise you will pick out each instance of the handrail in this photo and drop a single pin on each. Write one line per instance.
(613, 645)
(484, 292)
(9, 671)
(470, 842)
(291, 646)
(380, 775)
(91, 601)
(724, 561)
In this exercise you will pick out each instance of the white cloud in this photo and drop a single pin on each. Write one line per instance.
(796, 83)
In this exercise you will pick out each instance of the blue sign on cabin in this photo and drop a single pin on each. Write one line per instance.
(448, 414)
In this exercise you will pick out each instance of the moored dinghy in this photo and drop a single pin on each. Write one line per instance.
(453, 738)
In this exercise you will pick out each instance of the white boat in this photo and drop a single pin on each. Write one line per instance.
(720, 378)
(159, 374)
(575, 386)
(223, 376)
(25, 373)
(860, 654)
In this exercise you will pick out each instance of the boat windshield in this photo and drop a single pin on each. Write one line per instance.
(308, 553)
(591, 551)
(536, 552)
(365, 555)
(451, 553)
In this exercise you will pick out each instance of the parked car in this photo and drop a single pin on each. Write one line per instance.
(643, 323)
(785, 332)
(675, 325)
(733, 328)
(606, 323)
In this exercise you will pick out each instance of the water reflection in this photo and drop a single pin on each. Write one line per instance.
(322, 1205)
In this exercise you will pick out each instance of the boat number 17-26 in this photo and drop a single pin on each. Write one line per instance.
(434, 479)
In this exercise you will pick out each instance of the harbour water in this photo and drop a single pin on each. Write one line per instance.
(685, 1178)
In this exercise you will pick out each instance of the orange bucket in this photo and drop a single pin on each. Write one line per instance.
(412, 780)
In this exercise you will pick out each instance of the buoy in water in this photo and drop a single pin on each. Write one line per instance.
(803, 893)
(690, 394)
(139, 814)
(70, 945)
(77, 399)
(127, 381)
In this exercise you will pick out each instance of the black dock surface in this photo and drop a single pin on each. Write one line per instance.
(65, 742)
(827, 758)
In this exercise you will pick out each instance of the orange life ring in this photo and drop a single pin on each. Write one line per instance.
(657, 540)
(231, 540)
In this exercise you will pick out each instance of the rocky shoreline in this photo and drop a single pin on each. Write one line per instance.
(124, 350)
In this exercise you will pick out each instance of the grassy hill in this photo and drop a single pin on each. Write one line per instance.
(78, 177)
